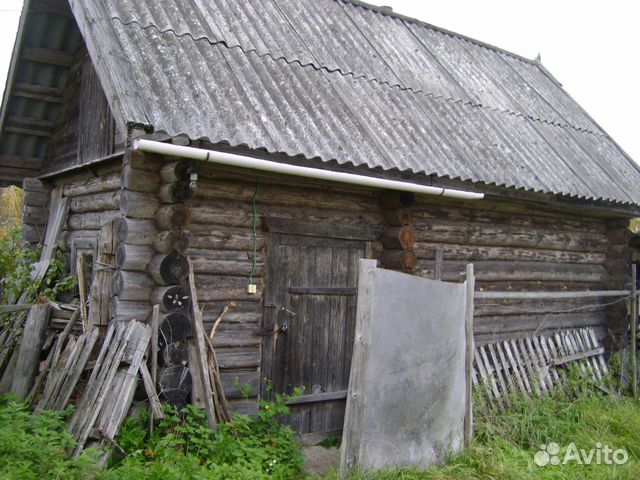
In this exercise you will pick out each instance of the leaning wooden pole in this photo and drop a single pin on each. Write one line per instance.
(468, 367)
(634, 332)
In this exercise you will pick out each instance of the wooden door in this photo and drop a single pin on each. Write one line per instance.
(311, 295)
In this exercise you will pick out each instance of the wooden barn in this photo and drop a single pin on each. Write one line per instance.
(258, 139)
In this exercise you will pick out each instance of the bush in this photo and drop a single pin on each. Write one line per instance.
(35, 446)
(183, 447)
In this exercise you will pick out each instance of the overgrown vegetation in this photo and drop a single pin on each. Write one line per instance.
(505, 443)
(182, 447)
(11, 199)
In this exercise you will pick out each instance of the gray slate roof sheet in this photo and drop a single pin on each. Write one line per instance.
(335, 80)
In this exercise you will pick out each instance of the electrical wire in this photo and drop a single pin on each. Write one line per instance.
(255, 235)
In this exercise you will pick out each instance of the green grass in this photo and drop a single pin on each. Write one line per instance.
(36, 446)
(505, 443)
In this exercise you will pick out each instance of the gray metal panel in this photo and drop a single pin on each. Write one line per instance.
(335, 81)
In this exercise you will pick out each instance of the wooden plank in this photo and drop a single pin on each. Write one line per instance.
(37, 92)
(74, 374)
(437, 274)
(503, 377)
(323, 290)
(318, 398)
(634, 331)
(30, 349)
(155, 319)
(152, 394)
(140, 342)
(528, 365)
(469, 348)
(48, 56)
(201, 348)
(551, 295)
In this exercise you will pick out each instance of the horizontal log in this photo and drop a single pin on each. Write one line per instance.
(175, 171)
(244, 378)
(531, 323)
(134, 257)
(472, 253)
(506, 236)
(139, 180)
(35, 215)
(238, 358)
(552, 295)
(138, 204)
(168, 269)
(131, 286)
(95, 202)
(247, 318)
(503, 214)
(175, 192)
(232, 213)
(36, 199)
(226, 267)
(225, 288)
(399, 259)
(107, 183)
(149, 162)
(402, 238)
(494, 307)
(278, 195)
(171, 298)
(90, 220)
(225, 239)
(125, 311)
(520, 271)
(168, 241)
(137, 231)
(172, 217)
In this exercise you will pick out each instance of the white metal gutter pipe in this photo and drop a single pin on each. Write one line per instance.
(242, 161)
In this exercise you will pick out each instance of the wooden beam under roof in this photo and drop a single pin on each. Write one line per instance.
(48, 56)
(20, 161)
(28, 126)
(37, 92)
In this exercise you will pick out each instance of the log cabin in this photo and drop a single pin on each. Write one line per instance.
(124, 107)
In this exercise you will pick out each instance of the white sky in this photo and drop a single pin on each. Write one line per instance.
(591, 47)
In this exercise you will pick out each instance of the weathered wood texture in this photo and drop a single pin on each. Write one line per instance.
(523, 250)
(84, 129)
(35, 211)
(221, 246)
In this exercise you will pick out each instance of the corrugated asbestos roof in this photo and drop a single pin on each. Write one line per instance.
(339, 80)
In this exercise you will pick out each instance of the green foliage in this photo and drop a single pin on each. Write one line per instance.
(182, 446)
(505, 442)
(16, 262)
(11, 199)
(35, 446)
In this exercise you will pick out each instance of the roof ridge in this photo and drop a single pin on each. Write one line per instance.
(360, 76)
(400, 16)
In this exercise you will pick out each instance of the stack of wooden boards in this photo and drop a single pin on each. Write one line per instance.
(536, 365)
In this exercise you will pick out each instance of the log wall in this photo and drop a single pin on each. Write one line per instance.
(221, 246)
(170, 207)
(522, 249)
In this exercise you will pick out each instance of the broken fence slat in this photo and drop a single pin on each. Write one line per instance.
(152, 394)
